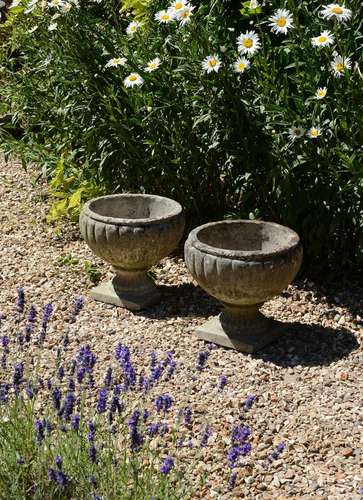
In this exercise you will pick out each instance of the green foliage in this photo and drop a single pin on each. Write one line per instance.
(218, 142)
(92, 272)
(67, 260)
(70, 190)
(137, 7)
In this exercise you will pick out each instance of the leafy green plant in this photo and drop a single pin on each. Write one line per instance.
(67, 260)
(92, 272)
(219, 142)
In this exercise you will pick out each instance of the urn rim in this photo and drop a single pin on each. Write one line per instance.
(292, 241)
(173, 210)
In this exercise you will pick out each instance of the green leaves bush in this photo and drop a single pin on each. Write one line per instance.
(217, 142)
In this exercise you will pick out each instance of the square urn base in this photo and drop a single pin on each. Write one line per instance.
(105, 292)
(244, 341)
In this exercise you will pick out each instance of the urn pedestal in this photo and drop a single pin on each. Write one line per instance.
(242, 264)
(132, 232)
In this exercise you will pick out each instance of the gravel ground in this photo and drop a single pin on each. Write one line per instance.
(308, 385)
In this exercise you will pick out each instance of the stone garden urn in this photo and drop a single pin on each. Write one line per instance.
(132, 232)
(242, 263)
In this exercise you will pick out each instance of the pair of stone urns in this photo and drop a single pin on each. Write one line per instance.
(241, 263)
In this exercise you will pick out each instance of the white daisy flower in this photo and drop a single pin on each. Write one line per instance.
(14, 4)
(254, 4)
(177, 7)
(133, 27)
(211, 63)
(339, 64)
(321, 92)
(296, 133)
(185, 14)
(134, 79)
(52, 27)
(241, 65)
(248, 43)
(57, 4)
(116, 61)
(164, 16)
(66, 7)
(336, 11)
(2, 4)
(314, 132)
(323, 40)
(31, 6)
(281, 21)
(153, 65)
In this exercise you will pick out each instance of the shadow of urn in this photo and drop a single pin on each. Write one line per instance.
(242, 264)
(132, 232)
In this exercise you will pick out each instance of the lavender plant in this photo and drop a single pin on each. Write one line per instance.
(76, 429)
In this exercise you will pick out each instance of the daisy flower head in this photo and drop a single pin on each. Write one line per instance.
(211, 63)
(116, 61)
(164, 16)
(321, 92)
(281, 21)
(133, 80)
(153, 65)
(30, 7)
(52, 26)
(323, 40)
(339, 64)
(336, 11)
(14, 4)
(296, 133)
(66, 7)
(248, 43)
(186, 14)
(314, 132)
(57, 4)
(254, 4)
(241, 65)
(133, 27)
(177, 7)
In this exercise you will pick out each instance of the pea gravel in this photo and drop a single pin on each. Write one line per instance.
(308, 385)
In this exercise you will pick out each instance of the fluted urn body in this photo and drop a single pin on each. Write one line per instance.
(243, 264)
(132, 232)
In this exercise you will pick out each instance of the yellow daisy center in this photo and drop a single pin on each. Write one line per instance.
(132, 78)
(248, 42)
(152, 65)
(132, 28)
(337, 10)
(322, 38)
(213, 62)
(314, 132)
(281, 22)
(178, 5)
(241, 66)
(185, 13)
(165, 17)
(339, 67)
(321, 93)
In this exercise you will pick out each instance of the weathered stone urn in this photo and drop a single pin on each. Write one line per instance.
(242, 263)
(132, 232)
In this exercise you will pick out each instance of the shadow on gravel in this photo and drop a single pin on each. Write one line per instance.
(308, 345)
(186, 300)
